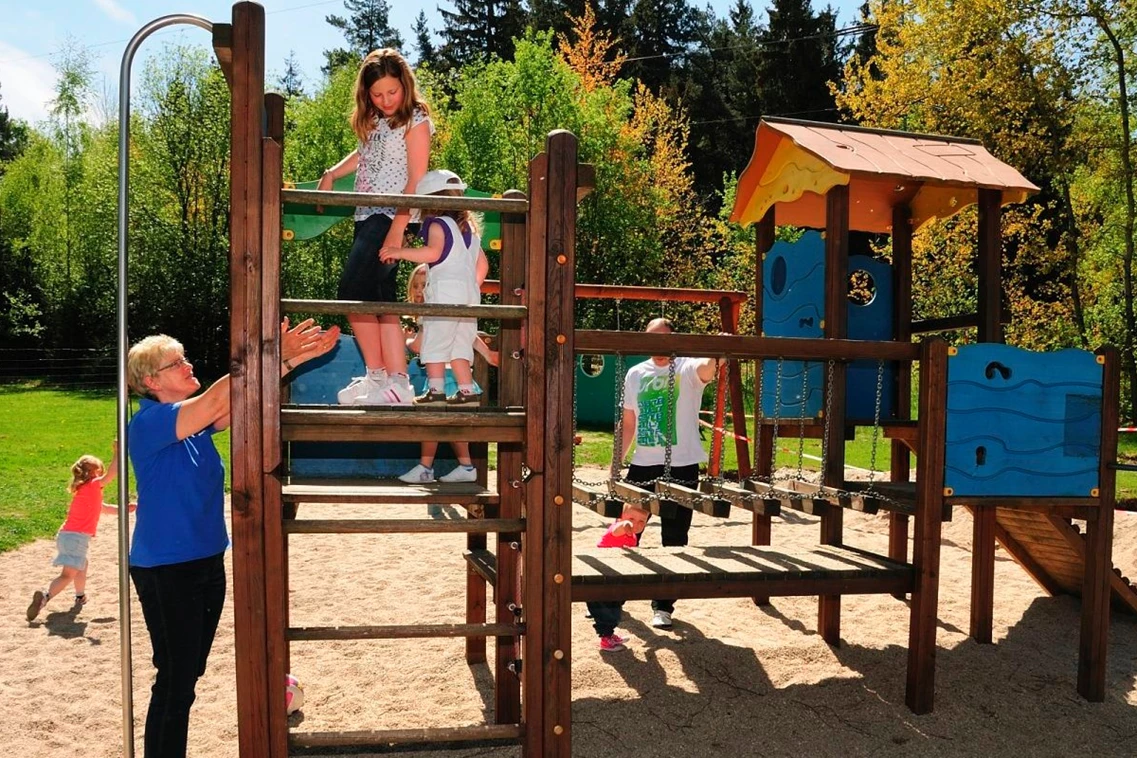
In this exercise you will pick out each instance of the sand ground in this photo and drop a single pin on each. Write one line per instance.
(730, 679)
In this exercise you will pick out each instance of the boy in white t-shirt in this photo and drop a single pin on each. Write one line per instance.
(648, 421)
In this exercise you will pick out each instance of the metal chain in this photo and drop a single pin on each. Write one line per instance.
(876, 422)
(618, 437)
(801, 419)
(828, 418)
(777, 419)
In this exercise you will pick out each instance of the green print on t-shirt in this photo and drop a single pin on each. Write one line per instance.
(652, 425)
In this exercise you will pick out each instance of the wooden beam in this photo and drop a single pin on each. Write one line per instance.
(399, 200)
(920, 689)
(1093, 640)
(223, 49)
(511, 391)
(990, 255)
(740, 346)
(899, 469)
(337, 307)
(247, 128)
(741, 498)
(983, 574)
(707, 504)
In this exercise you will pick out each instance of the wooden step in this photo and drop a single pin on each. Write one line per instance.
(741, 498)
(354, 423)
(644, 499)
(304, 490)
(484, 562)
(401, 632)
(450, 737)
(707, 504)
(596, 499)
(785, 492)
(404, 526)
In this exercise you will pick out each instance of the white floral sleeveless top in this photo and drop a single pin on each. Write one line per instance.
(383, 161)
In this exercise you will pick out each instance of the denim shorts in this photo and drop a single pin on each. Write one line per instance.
(71, 550)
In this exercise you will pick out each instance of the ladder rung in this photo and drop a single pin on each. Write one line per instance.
(424, 737)
(404, 526)
(402, 632)
(370, 491)
(328, 423)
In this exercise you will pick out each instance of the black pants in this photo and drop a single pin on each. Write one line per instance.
(181, 603)
(364, 276)
(605, 615)
(673, 529)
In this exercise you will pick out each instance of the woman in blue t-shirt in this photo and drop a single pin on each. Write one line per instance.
(177, 555)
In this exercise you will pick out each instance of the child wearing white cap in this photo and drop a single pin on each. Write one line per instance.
(457, 268)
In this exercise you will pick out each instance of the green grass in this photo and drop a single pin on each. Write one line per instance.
(43, 431)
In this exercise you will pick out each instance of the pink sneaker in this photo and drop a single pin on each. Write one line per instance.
(612, 644)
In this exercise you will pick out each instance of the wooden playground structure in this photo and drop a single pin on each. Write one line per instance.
(519, 529)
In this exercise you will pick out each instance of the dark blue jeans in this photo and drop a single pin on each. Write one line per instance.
(181, 603)
(673, 530)
(605, 616)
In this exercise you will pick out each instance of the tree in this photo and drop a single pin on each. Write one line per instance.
(477, 30)
(13, 137)
(367, 28)
(800, 56)
(73, 65)
(659, 34)
(722, 136)
(993, 71)
(424, 43)
(291, 82)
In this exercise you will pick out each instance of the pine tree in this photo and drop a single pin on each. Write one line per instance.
(729, 102)
(659, 35)
(424, 44)
(367, 28)
(801, 55)
(291, 82)
(480, 29)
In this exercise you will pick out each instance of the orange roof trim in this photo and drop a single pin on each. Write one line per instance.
(796, 162)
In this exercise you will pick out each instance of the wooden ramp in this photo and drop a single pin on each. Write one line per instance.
(1052, 551)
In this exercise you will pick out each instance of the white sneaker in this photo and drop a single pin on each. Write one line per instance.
(359, 387)
(661, 620)
(420, 474)
(460, 474)
(394, 392)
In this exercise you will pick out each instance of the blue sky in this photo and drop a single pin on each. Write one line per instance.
(30, 33)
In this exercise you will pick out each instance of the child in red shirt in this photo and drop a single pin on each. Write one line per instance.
(624, 532)
(88, 478)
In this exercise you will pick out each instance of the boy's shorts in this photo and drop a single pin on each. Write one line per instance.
(447, 339)
(71, 550)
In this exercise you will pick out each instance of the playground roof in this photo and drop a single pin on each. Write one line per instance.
(796, 162)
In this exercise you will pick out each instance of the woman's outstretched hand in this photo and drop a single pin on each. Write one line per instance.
(305, 341)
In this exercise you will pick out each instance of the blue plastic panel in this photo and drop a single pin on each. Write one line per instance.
(793, 303)
(317, 382)
(1022, 423)
(871, 321)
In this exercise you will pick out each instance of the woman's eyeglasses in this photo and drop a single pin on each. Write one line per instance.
(174, 364)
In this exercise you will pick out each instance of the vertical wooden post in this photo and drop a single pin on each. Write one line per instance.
(737, 404)
(921, 684)
(764, 433)
(902, 318)
(1094, 639)
(836, 327)
(533, 578)
(475, 583)
(275, 567)
(559, 367)
(511, 392)
(245, 350)
(990, 260)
